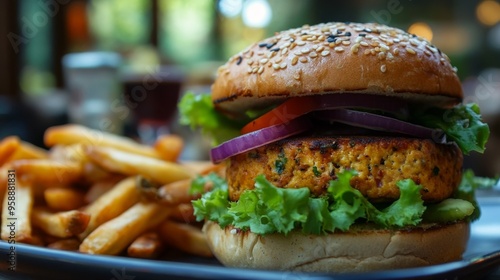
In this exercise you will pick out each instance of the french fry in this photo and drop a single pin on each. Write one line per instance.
(101, 187)
(183, 213)
(93, 173)
(72, 133)
(70, 244)
(12, 148)
(169, 147)
(63, 199)
(72, 153)
(111, 204)
(185, 237)
(175, 193)
(47, 171)
(147, 246)
(16, 214)
(127, 163)
(60, 224)
(113, 237)
(8, 147)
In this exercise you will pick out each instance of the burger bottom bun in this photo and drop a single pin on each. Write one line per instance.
(359, 250)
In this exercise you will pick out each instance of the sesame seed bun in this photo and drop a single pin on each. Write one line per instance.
(336, 58)
(360, 249)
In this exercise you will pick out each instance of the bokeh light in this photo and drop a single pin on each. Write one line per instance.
(421, 29)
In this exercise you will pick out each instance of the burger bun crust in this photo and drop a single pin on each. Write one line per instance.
(358, 250)
(335, 58)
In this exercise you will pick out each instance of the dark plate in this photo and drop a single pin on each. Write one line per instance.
(40, 263)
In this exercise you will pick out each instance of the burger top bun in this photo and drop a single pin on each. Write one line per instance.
(358, 250)
(336, 58)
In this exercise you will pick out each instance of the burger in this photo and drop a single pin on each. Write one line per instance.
(343, 145)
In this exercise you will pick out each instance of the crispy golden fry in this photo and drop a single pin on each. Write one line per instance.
(8, 147)
(185, 237)
(111, 204)
(113, 237)
(60, 224)
(93, 173)
(63, 199)
(72, 133)
(131, 164)
(19, 149)
(47, 171)
(70, 244)
(202, 167)
(175, 193)
(101, 187)
(72, 153)
(16, 213)
(169, 147)
(183, 213)
(147, 246)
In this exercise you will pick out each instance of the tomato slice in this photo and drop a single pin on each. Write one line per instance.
(298, 106)
(288, 110)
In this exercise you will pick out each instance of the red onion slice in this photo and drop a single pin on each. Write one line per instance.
(381, 123)
(258, 138)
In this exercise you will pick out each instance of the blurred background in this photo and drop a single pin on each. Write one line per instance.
(121, 66)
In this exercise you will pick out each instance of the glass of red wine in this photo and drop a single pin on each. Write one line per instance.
(152, 96)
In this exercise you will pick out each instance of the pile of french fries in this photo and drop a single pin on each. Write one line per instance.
(99, 193)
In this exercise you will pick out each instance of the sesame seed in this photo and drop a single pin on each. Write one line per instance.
(283, 65)
(455, 69)
(296, 76)
(396, 40)
(275, 49)
(364, 44)
(367, 52)
(313, 54)
(255, 69)
(249, 70)
(240, 58)
(374, 43)
(250, 62)
(300, 43)
(264, 61)
(260, 53)
(312, 38)
(339, 49)
(261, 69)
(410, 50)
(263, 45)
(287, 44)
(305, 50)
(295, 59)
(293, 45)
(384, 47)
(396, 51)
(414, 42)
(381, 55)
(346, 43)
(303, 59)
(358, 39)
(389, 56)
(325, 53)
(427, 52)
(276, 66)
(278, 60)
(284, 51)
(331, 45)
(320, 48)
(321, 38)
(383, 68)
(355, 48)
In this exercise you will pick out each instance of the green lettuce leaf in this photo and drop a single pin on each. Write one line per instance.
(467, 187)
(349, 204)
(197, 111)
(461, 124)
(268, 209)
